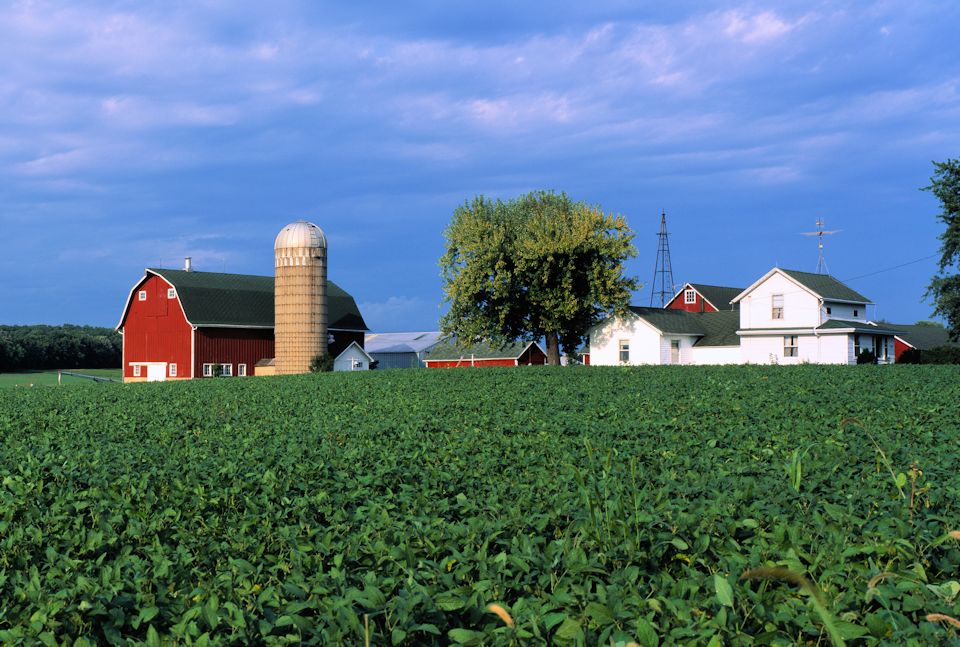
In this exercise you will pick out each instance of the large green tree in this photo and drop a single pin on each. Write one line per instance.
(541, 265)
(945, 286)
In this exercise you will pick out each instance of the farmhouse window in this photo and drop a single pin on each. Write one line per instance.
(777, 309)
(625, 351)
(689, 296)
(136, 370)
(208, 370)
(241, 370)
(142, 295)
(173, 370)
(856, 313)
(828, 310)
(789, 345)
(356, 365)
(226, 370)
(856, 345)
(171, 293)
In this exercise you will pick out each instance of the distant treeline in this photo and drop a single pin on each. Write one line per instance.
(46, 347)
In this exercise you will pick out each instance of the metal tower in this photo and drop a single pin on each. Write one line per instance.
(663, 269)
(820, 233)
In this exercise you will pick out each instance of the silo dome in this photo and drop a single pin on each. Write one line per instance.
(300, 234)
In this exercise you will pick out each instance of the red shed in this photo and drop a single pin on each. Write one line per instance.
(180, 324)
(697, 297)
(448, 355)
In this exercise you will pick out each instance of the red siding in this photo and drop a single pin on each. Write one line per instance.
(586, 359)
(155, 330)
(899, 348)
(678, 303)
(232, 346)
(531, 356)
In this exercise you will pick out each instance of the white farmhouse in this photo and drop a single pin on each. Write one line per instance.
(794, 317)
(785, 317)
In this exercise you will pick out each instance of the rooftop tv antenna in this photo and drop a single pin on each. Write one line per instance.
(820, 233)
(663, 270)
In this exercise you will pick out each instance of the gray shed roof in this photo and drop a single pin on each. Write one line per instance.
(401, 342)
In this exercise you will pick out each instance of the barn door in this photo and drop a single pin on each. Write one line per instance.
(156, 372)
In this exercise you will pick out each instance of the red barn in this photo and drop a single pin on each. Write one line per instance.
(697, 297)
(519, 354)
(181, 324)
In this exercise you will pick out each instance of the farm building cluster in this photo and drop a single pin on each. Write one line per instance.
(784, 317)
(183, 324)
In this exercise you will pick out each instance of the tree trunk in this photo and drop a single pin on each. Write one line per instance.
(553, 349)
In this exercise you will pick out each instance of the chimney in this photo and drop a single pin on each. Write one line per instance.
(187, 265)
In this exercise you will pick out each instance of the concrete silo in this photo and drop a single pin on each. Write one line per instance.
(300, 297)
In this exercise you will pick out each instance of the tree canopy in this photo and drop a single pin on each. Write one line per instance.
(944, 288)
(45, 347)
(541, 265)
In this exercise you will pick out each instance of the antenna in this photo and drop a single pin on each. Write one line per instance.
(663, 269)
(820, 233)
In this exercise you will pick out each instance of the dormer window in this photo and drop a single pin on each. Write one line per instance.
(776, 311)
(689, 296)
(142, 295)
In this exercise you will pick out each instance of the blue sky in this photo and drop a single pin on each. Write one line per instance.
(133, 134)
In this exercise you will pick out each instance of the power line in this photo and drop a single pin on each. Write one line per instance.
(890, 269)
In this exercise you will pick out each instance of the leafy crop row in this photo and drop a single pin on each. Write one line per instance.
(595, 505)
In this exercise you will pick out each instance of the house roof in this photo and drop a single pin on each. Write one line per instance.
(482, 350)
(826, 287)
(921, 337)
(358, 346)
(721, 328)
(246, 301)
(718, 296)
(401, 342)
(822, 285)
(856, 326)
(678, 322)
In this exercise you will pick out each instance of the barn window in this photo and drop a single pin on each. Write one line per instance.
(208, 370)
(171, 293)
(689, 296)
(625, 350)
(142, 295)
(241, 370)
(136, 370)
(776, 311)
(226, 370)
(173, 370)
(789, 345)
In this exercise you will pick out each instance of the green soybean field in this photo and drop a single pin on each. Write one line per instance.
(529, 506)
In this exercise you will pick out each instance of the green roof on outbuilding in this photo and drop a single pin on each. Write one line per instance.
(246, 301)
(481, 350)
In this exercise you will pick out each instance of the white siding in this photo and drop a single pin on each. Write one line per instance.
(716, 355)
(800, 307)
(844, 311)
(351, 359)
(686, 348)
(605, 341)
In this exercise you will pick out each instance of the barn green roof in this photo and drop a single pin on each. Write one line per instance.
(718, 295)
(245, 300)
